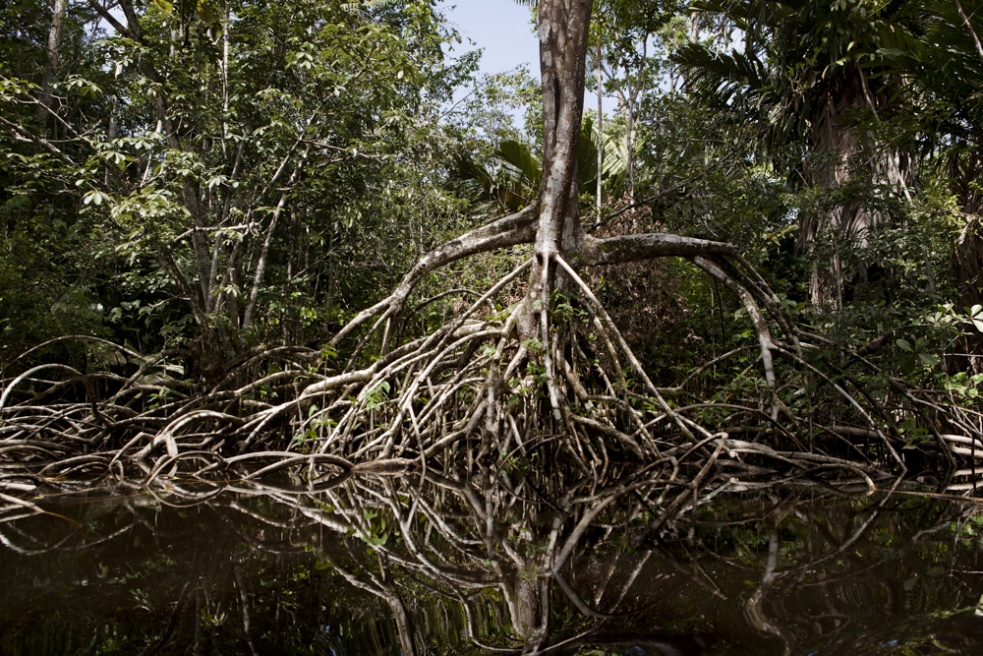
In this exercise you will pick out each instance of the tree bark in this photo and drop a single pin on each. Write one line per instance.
(563, 31)
(56, 35)
(600, 129)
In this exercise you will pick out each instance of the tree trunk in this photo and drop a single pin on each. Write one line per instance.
(563, 30)
(56, 34)
(845, 228)
(600, 129)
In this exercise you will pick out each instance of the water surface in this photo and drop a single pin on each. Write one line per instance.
(436, 565)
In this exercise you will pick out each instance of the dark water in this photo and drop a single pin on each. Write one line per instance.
(390, 565)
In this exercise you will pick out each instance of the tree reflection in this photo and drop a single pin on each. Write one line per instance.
(495, 562)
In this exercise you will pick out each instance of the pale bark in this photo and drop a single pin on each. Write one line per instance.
(264, 252)
(563, 31)
(563, 27)
(56, 35)
(515, 229)
(632, 248)
(969, 27)
(836, 146)
(600, 129)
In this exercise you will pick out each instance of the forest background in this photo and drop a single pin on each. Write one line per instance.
(206, 181)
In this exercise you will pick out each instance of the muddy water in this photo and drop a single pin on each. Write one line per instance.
(443, 566)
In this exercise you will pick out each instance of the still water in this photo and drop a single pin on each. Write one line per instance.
(431, 564)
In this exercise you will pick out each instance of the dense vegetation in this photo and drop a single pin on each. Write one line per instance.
(774, 240)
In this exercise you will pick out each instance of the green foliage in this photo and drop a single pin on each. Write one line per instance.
(213, 176)
(225, 166)
(377, 396)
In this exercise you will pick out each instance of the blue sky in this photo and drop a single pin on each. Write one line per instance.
(500, 27)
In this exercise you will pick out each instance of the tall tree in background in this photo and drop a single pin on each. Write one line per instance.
(805, 72)
(628, 55)
(941, 59)
(48, 280)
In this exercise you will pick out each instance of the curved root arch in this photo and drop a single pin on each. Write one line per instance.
(478, 378)
(481, 387)
(481, 383)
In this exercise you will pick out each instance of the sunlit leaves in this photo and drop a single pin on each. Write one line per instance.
(976, 316)
(12, 89)
(95, 197)
(219, 126)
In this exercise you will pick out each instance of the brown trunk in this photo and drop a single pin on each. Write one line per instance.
(56, 33)
(845, 228)
(563, 29)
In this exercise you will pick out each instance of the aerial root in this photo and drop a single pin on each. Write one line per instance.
(474, 390)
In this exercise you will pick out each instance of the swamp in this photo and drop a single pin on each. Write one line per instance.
(423, 564)
(318, 338)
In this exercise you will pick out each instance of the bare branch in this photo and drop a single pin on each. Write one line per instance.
(515, 229)
(632, 248)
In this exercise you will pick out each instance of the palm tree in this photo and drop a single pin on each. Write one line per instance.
(511, 179)
(805, 71)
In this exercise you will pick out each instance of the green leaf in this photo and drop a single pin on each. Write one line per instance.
(976, 315)
(164, 6)
(94, 198)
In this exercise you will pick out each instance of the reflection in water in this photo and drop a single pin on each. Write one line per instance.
(495, 563)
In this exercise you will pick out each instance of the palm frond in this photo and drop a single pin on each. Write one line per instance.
(519, 158)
